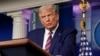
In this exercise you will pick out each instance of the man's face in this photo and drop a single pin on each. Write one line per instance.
(49, 18)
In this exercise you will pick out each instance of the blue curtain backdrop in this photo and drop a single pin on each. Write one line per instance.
(5, 27)
(65, 13)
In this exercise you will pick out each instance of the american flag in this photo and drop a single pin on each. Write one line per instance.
(85, 49)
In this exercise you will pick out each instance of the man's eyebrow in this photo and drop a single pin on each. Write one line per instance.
(43, 16)
(49, 14)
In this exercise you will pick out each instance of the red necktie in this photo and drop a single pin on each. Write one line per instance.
(48, 42)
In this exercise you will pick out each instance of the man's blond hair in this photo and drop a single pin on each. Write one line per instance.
(48, 6)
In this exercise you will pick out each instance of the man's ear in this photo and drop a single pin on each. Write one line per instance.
(58, 17)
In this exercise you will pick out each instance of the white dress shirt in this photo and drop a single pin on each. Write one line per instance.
(46, 35)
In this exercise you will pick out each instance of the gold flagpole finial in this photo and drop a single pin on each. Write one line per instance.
(83, 6)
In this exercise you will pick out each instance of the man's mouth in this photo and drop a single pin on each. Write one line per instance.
(48, 24)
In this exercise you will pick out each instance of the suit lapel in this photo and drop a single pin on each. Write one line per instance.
(56, 38)
(41, 35)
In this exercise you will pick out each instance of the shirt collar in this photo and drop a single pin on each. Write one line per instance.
(54, 30)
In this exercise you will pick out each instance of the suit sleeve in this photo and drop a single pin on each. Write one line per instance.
(68, 44)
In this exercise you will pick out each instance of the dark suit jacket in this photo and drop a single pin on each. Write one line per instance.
(63, 42)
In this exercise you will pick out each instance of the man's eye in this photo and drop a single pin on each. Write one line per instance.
(49, 14)
(43, 17)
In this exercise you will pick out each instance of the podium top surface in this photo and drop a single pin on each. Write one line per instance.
(21, 42)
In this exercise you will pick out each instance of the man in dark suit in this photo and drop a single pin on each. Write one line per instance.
(62, 42)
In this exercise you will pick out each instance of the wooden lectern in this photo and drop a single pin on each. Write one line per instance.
(21, 47)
